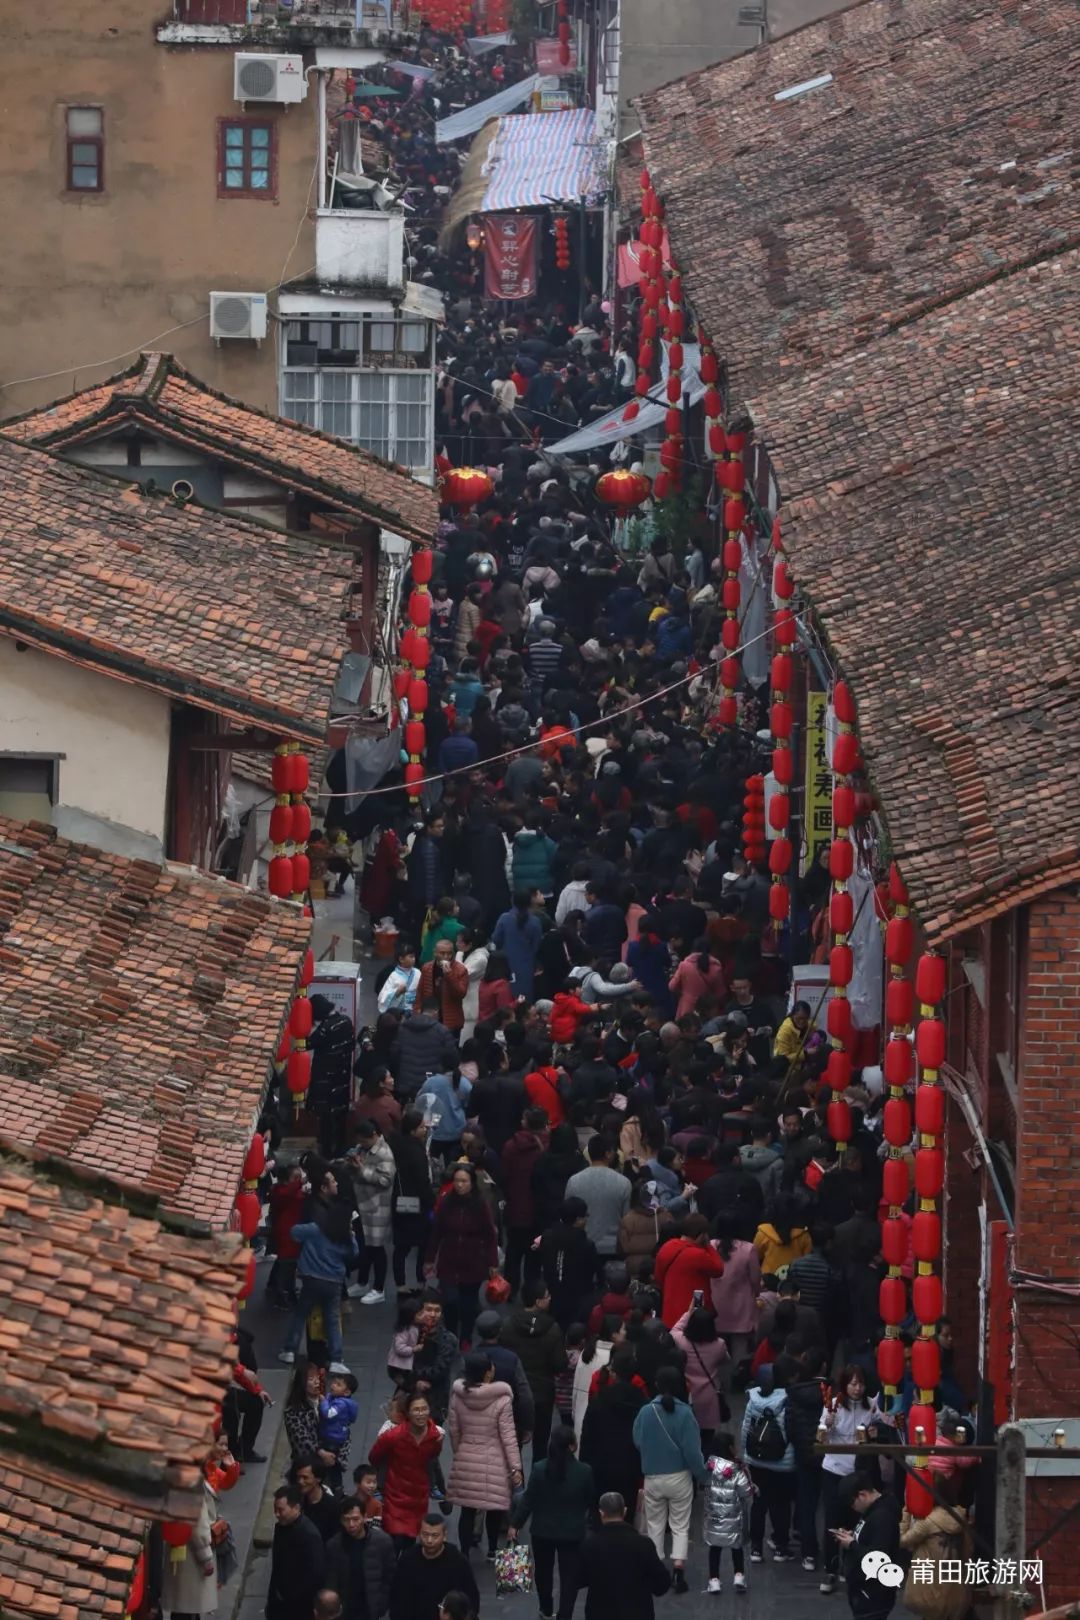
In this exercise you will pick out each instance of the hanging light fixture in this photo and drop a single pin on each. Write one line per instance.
(474, 235)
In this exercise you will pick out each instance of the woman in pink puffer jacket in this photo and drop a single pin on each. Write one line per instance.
(487, 1459)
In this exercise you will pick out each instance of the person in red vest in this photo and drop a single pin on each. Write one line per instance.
(684, 1265)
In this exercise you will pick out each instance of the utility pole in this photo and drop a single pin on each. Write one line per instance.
(1010, 1528)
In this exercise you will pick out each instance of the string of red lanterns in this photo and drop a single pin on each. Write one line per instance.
(562, 242)
(781, 722)
(896, 1125)
(297, 1056)
(841, 922)
(650, 265)
(926, 1294)
(562, 31)
(730, 477)
(672, 317)
(754, 820)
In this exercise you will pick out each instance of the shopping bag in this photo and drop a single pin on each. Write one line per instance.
(513, 1569)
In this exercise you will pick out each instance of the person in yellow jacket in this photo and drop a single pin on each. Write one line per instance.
(791, 1036)
(779, 1240)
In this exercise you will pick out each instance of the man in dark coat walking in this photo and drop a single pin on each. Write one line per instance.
(297, 1561)
(331, 1043)
(427, 1571)
(620, 1569)
(360, 1564)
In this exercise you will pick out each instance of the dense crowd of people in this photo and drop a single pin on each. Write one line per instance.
(634, 1283)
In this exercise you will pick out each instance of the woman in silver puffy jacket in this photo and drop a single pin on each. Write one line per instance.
(728, 1494)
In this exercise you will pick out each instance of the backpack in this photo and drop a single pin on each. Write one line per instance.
(765, 1437)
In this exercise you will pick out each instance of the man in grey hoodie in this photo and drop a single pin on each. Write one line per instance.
(605, 1193)
(759, 1158)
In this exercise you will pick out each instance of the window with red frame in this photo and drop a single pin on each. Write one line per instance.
(85, 149)
(246, 158)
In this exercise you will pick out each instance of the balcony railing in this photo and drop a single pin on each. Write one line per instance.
(351, 14)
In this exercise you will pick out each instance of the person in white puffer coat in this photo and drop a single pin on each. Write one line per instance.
(729, 1491)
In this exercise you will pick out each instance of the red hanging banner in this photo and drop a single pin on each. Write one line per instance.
(510, 255)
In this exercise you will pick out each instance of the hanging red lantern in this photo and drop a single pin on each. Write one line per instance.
(423, 565)
(838, 1069)
(730, 595)
(899, 937)
(298, 1073)
(279, 878)
(841, 912)
(930, 1043)
(838, 1019)
(899, 1063)
(894, 1242)
(779, 902)
(418, 696)
(402, 678)
(900, 1002)
(926, 1363)
(420, 609)
(780, 856)
(844, 704)
(730, 670)
(897, 887)
(414, 774)
(247, 1287)
(922, 1417)
(248, 1214)
(929, 1162)
(176, 1536)
(301, 823)
(675, 356)
(729, 634)
(301, 1019)
(709, 369)
(918, 1496)
(465, 486)
(732, 556)
(841, 860)
(845, 753)
(781, 670)
(301, 876)
(717, 439)
(890, 1362)
(781, 720)
(734, 513)
(662, 485)
(728, 711)
(927, 1299)
(925, 1233)
(407, 643)
(255, 1162)
(673, 420)
(674, 389)
(307, 969)
(841, 965)
(930, 980)
(730, 476)
(843, 806)
(783, 765)
(895, 1182)
(283, 1046)
(281, 824)
(838, 1121)
(930, 1112)
(299, 773)
(415, 737)
(779, 812)
(137, 1591)
(896, 1122)
(892, 1300)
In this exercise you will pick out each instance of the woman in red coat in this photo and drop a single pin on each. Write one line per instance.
(685, 1264)
(407, 1450)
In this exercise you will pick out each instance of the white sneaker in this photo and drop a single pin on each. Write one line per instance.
(740, 1583)
(809, 1564)
(356, 1290)
(337, 1367)
(756, 1557)
(714, 1584)
(287, 1356)
(373, 1297)
(828, 1585)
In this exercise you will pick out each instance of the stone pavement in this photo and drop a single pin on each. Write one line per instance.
(785, 1590)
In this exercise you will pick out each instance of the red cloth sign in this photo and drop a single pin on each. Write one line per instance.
(510, 255)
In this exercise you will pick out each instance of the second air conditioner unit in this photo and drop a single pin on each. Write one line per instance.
(269, 78)
(237, 315)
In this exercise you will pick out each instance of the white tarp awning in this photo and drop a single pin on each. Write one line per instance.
(486, 42)
(611, 428)
(415, 70)
(470, 119)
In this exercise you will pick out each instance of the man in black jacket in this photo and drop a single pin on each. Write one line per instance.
(533, 1333)
(297, 1560)
(872, 1583)
(620, 1569)
(426, 1572)
(360, 1564)
(423, 1046)
(331, 1043)
(732, 1193)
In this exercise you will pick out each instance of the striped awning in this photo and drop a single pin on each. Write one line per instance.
(459, 125)
(540, 158)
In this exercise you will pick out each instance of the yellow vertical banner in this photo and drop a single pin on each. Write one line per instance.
(817, 802)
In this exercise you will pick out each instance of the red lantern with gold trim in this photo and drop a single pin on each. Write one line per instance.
(279, 878)
(890, 1362)
(465, 486)
(301, 1019)
(298, 1073)
(248, 1214)
(423, 566)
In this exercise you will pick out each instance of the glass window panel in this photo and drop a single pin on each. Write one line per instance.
(381, 337)
(412, 389)
(413, 337)
(234, 135)
(260, 137)
(336, 385)
(349, 335)
(84, 179)
(84, 120)
(260, 180)
(235, 178)
(81, 153)
(260, 161)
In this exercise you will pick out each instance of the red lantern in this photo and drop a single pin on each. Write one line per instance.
(896, 1122)
(785, 627)
(415, 737)
(176, 1535)
(780, 857)
(844, 704)
(677, 322)
(783, 764)
(730, 476)
(780, 672)
(895, 1182)
(899, 938)
(301, 874)
(841, 965)
(674, 289)
(281, 824)
(413, 774)
(674, 389)
(299, 773)
(930, 1112)
(841, 860)
(255, 1163)
(929, 1165)
(927, 1299)
(845, 754)
(900, 1001)
(728, 711)
(890, 1362)
(926, 1363)
(732, 556)
(838, 1072)
(930, 1043)
(924, 1418)
(279, 879)
(642, 386)
(284, 1046)
(301, 1019)
(918, 1497)
(301, 823)
(298, 1076)
(418, 696)
(307, 971)
(648, 327)
(137, 1591)
(717, 439)
(675, 353)
(781, 719)
(729, 634)
(280, 773)
(892, 1301)
(926, 1232)
(843, 807)
(730, 670)
(662, 488)
(420, 609)
(838, 1019)
(401, 683)
(423, 566)
(838, 1121)
(709, 368)
(899, 1062)
(407, 642)
(466, 486)
(897, 887)
(779, 812)
(779, 902)
(734, 513)
(930, 980)
(894, 1241)
(736, 443)
(421, 652)
(841, 912)
(248, 1213)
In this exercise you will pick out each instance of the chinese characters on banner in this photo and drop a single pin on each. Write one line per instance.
(817, 805)
(510, 255)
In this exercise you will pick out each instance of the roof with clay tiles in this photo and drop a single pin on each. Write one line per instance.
(141, 1009)
(158, 393)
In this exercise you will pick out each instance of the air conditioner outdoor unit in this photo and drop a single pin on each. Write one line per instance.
(237, 315)
(269, 78)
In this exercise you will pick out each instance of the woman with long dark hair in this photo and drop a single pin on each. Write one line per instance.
(560, 1495)
(518, 933)
(735, 1293)
(607, 1431)
(596, 1353)
(327, 1249)
(706, 1364)
(669, 1441)
(462, 1249)
(697, 976)
(487, 1458)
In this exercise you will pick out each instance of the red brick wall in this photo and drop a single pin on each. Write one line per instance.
(1047, 1381)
